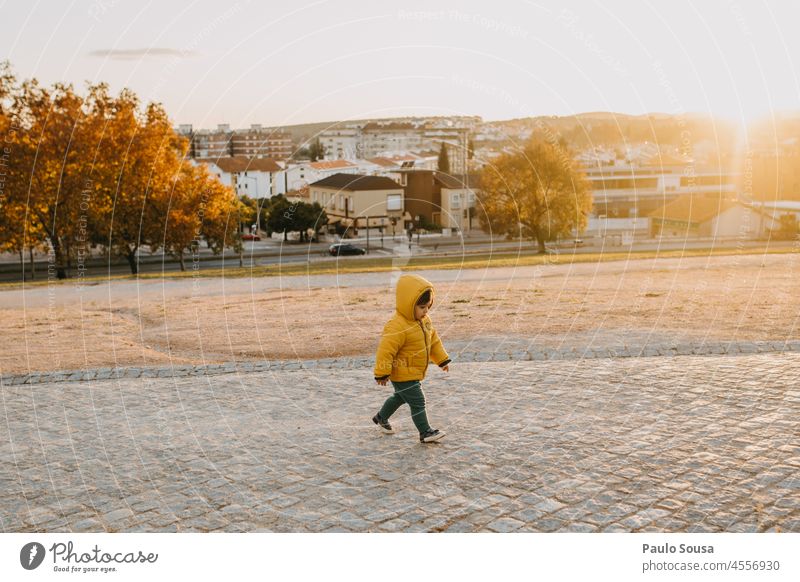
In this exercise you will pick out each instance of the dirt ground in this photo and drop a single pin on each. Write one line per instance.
(124, 323)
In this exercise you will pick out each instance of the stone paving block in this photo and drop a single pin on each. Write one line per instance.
(505, 525)
(627, 444)
(581, 527)
(394, 525)
(460, 527)
(87, 525)
(117, 515)
(549, 505)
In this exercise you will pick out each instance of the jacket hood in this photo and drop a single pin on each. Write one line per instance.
(409, 289)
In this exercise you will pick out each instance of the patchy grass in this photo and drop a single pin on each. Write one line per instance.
(374, 265)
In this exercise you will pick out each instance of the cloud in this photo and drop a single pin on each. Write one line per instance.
(142, 53)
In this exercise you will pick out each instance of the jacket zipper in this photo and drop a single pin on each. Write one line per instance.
(427, 353)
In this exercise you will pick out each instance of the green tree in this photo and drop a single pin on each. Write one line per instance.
(309, 216)
(444, 160)
(285, 216)
(537, 193)
(316, 151)
(788, 228)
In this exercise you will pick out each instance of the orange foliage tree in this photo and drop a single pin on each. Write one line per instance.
(536, 193)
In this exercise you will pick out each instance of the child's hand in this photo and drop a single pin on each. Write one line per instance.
(383, 381)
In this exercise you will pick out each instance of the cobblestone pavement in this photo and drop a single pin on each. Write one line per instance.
(484, 349)
(683, 443)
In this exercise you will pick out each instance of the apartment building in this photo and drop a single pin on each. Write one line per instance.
(257, 142)
(254, 142)
(388, 139)
(341, 143)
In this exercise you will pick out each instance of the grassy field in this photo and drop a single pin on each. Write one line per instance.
(582, 299)
(464, 261)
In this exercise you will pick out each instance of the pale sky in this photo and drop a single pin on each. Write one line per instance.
(281, 63)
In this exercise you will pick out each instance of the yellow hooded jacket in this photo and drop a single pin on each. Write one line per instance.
(407, 344)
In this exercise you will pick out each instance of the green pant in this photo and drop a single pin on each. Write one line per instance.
(407, 393)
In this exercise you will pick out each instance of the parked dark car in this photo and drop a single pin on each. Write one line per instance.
(340, 249)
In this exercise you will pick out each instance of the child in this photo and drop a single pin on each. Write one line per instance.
(408, 343)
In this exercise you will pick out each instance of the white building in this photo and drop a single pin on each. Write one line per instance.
(698, 216)
(254, 177)
(386, 139)
(341, 143)
(298, 175)
(631, 191)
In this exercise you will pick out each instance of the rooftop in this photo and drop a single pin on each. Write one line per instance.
(332, 164)
(697, 209)
(236, 164)
(357, 182)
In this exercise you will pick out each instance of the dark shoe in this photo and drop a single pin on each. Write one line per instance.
(431, 435)
(384, 424)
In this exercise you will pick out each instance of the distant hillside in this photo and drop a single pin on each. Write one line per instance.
(306, 131)
(603, 128)
(609, 129)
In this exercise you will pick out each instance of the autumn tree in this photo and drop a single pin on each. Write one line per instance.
(11, 235)
(77, 173)
(222, 213)
(141, 160)
(18, 230)
(182, 214)
(51, 171)
(199, 207)
(537, 193)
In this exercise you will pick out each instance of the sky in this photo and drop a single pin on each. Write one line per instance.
(283, 63)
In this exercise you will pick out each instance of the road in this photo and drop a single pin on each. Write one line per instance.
(270, 252)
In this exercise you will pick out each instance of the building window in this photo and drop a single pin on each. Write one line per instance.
(394, 202)
(455, 200)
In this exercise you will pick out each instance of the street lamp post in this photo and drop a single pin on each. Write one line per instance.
(367, 219)
(259, 205)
